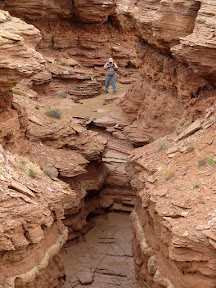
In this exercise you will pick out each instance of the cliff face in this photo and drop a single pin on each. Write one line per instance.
(34, 201)
(17, 40)
(175, 54)
(39, 9)
(176, 63)
(32, 232)
(174, 216)
(87, 31)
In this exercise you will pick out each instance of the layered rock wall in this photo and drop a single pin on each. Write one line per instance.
(176, 63)
(174, 216)
(176, 60)
(34, 203)
(85, 30)
(174, 239)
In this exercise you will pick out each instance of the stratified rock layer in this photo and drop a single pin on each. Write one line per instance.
(32, 231)
(173, 245)
(174, 219)
(176, 60)
(198, 48)
(18, 60)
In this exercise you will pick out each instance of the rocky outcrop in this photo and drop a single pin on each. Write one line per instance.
(65, 149)
(173, 245)
(69, 36)
(38, 9)
(18, 60)
(34, 201)
(198, 48)
(174, 216)
(173, 74)
(160, 23)
(93, 11)
(31, 211)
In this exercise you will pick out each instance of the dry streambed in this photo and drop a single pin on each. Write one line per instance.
(104, 258)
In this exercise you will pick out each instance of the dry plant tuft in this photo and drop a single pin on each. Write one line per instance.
(54, 113)
(32, 173)
(161, 144)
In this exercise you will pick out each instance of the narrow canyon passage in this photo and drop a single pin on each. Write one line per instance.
(104, 258)
(76, 162)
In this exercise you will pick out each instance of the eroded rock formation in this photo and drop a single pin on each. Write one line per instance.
(173, 243)
(174, 230)
(34, 201)
(174, 216)
(171, 59)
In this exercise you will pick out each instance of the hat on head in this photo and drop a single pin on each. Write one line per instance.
(110, 60)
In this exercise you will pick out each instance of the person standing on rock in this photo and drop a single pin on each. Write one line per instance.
(111, 75)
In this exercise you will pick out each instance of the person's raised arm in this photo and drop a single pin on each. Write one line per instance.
(115, 67)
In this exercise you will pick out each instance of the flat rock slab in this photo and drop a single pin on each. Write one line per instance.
(113, 265)
(196, 125)
(104, 259)
(85, 277)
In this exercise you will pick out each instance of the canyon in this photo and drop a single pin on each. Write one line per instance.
(76, 162)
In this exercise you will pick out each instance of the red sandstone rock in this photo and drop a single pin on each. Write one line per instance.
(17, 40)
(165, 97)
(93, 11)
(36, 9)
(169, 213)
(32, 209)
(198, 48)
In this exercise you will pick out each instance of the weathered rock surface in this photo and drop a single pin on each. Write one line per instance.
(160, 23)
(93, 11)
(174, 217)
(198, 48)
(166, 96)
(31, 211)
(18, 60)
(174, 243)
(91, 44)
(66, 77)
(35, 10)
(104, 259)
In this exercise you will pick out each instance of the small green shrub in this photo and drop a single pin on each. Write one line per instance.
(49, 172)
(178, 133)
(17, 92)
(54, 113)
(210, 161)
(190, 148)
(202, 202)
(196, 186)
(37, 107)
(166, 174)
(63, 94)
(32, 173)
(177, 187)
(161, 144)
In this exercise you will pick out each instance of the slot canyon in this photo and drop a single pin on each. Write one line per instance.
(106, 190)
